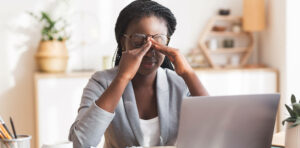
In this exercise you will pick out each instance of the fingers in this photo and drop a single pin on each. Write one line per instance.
(161, 48)
(171, 53)
(140, 50)
(144, 49)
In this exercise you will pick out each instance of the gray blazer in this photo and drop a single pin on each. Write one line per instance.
(122, 128)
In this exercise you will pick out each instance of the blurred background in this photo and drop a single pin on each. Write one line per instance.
(43, 97)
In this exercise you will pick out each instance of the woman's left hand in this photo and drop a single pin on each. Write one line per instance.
(182, 67)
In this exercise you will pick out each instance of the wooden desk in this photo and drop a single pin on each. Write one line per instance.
(279, 139)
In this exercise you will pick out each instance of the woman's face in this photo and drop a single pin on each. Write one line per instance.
(149, 25)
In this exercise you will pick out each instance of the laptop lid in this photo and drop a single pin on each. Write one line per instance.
(240, 121)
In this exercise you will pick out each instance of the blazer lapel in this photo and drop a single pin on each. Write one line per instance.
(162, 95)
(132, 112)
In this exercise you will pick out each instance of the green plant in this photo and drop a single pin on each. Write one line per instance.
(294, 112)
(52, 29)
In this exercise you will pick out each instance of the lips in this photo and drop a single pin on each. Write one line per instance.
(148, 63)
(149, 60)
(152, 61)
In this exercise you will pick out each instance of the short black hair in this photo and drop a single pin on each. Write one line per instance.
(137, 10)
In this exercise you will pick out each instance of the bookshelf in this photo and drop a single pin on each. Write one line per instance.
(241, 52)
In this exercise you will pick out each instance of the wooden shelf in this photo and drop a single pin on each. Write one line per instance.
(228, 18)
(243, 52)
(64, 74)
(227, 50)
(227, 33)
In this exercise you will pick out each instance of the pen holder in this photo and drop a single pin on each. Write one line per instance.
(23, 141)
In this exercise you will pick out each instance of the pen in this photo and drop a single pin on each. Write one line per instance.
(13, 127)
(3, 123)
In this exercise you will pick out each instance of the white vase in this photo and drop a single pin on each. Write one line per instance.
(292, 136)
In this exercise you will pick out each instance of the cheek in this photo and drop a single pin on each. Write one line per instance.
(160, 58)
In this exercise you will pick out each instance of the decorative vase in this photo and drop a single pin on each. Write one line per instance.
(52, 56)
(292, 136)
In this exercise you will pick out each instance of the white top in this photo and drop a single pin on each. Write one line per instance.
(150, 130)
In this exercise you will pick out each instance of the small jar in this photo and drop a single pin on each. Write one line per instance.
(235, 60)
(228, 43)
(212, 44)
(236, 28)
(224, 12)
(106, 62)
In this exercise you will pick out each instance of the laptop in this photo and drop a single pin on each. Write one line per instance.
(239, 121)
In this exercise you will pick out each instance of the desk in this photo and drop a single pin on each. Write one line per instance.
(279, 139)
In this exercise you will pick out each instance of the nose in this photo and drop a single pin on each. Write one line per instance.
(150, 53)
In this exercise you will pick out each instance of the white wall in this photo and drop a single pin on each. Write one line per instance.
(272, 48)
(19, 37)
(192, 16)
(280, 47)
(17, 65)
(293, 49)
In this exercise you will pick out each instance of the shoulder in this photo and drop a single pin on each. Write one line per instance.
(102, 78)
(105, 75)
(98, 82)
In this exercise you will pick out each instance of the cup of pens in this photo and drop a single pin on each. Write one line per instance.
(23, 141)
(11, 139)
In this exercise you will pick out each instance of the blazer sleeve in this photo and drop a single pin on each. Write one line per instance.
(91, 121)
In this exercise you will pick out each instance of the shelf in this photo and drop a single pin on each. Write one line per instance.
(64, 74)
(227, 18)
(227, 33)
(242, 36)
(227, 50)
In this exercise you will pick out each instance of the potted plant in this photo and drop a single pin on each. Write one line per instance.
(292, 137)
(52, 54)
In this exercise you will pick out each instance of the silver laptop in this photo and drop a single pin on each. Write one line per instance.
(240, 121)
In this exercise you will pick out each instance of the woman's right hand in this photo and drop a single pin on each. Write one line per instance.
(131, 61)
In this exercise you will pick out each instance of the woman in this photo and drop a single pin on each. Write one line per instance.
(137, 103)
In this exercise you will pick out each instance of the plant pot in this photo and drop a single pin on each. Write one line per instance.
(52, 56)
(292, 136)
